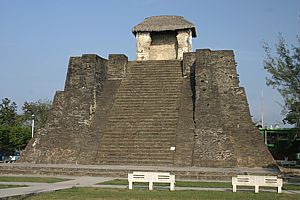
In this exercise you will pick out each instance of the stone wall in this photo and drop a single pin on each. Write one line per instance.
(117, 64)
(224, 134)
(163, 46)
(143, 42)
(73, 111)
(184, 40)
(201, 108)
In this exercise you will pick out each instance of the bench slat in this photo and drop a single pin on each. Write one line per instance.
(151, 177)
(256, 181)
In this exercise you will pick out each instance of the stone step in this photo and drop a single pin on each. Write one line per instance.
(151, 63)
(140, 126)
(160, 131)
(138, 162)
(138, 154)
(140, 137)
(146, 98)
(149, 94)
(149, 141)
(157, 72)
(133, 115)
(155, 90)
(150, 103)
(148, 148)
(156, 84)
(153, 75)
(154, 68)
(145, 117)
(151, 89)
(142, 111)
(166, 68)
(121, 170)
(149, 157)
(143, 131)
(141, 114)
(137, 137)
(125, 150)
(144, 142)
(153, 78)
(147, 85)
(155, 65)
(166, 121)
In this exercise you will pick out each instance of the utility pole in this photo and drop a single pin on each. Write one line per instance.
(32, 126)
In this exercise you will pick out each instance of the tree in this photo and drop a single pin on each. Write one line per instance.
(6, 147)
(8, 112)
(13, 138)
(19, 136)
(39, 109)
(284, 69)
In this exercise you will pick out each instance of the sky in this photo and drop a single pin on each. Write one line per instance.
(38, 37)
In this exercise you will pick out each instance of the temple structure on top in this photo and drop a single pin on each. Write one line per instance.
(163, 38)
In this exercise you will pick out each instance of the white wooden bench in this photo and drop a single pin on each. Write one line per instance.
(151, 177)
(256, 181)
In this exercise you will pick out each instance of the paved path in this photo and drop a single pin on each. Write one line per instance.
(137, 167)
(35, 188)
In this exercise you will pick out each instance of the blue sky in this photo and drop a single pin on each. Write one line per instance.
(38, 37)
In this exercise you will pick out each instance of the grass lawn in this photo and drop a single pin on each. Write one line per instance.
(291, 187)
(178, 184)
(11, 186)
(31, 179)
(104, 193)
(196, 184)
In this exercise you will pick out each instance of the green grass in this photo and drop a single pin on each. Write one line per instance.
(31, 179)
(196, 184)
(178, 184)
(111, 194)
(11, 186)
(291, 187)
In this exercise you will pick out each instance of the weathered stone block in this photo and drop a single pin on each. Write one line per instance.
(117, 65)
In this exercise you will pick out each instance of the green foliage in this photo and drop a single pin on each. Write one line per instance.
(39, 109)
(20, 136)
(13, 137)
(284, 69)
(6, 147)
(8, 112)
(15, 130)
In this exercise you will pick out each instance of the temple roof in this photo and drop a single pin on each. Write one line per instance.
(164, 23)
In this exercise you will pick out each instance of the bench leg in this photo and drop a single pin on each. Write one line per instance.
(279, 189)
(256, 188)
(233, 188)
(150, 185)
(130, 186)
(172, 186)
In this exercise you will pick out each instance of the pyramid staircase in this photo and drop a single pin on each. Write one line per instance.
(142, 124)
